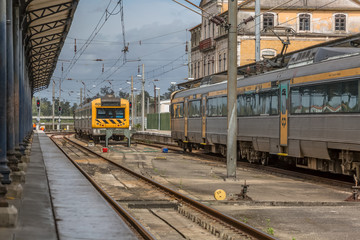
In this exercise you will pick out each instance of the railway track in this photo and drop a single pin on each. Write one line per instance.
(141, 189)
(294, 173)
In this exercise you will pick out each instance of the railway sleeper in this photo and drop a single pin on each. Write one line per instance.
(214, 227)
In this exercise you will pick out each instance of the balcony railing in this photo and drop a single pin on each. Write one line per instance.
(207, 44)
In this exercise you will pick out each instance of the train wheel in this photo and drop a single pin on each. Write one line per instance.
(190, 148)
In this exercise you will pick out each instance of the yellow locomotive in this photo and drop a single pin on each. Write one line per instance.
(102, 116)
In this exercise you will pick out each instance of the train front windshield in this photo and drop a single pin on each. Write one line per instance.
(110, 112)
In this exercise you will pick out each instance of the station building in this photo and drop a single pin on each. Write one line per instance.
(305, 23)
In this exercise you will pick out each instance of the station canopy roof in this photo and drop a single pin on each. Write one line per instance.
(46, 25)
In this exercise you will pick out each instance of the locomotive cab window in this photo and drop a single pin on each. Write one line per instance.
(110, 113)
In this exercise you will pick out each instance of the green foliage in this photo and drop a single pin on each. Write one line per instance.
(269, 229)
(46, 107)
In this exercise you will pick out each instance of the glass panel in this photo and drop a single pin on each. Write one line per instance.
(317, 99)
(333, 103)
(283, 100)
(350, 97)
(194, 108)
(274, 103)
(109, 113)
(296, 100)
(224, 106)
(305, 100)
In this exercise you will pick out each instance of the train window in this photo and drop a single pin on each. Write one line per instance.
(317, 99)
(178, 109)
(329, 98)
(350, 96)
(333, 103)
(110, 112)
(194, 109)
(224, 106)
(274, 103)
(217, 107)
(264, 103)
(296, 100)
(120, 112)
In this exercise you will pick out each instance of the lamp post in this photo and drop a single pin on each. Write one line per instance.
(159, 110)
(142, 98)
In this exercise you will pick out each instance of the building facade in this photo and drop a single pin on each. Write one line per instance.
(304, 22)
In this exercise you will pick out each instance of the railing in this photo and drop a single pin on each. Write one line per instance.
(207, 44)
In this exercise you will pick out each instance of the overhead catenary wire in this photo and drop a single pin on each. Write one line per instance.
(96, 30)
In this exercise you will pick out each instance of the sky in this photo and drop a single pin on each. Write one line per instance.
(156, 35)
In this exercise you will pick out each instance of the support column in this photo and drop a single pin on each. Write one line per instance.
(4, 169)
(231, 92)
(16, 80)
(13, 161)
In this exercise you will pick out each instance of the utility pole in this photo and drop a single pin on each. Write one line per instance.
(81, 96)
(62, 73)
(159, 110)
(155, 99)
(188, 50)
(53, 105)
(148, 106)
(143, 99)
(257, 30)
(231, 91)
(132, 101)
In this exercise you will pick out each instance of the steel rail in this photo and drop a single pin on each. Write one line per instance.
(140, 229)
(247, 229)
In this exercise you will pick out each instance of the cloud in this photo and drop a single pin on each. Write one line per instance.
(144, 20)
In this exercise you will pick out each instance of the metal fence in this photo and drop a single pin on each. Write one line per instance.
(153, 121)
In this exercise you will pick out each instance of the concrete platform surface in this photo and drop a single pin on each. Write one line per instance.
(60, 203)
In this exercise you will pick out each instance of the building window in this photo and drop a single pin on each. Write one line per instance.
(268, 53)
(224, 61)
(340, 22)
(205, 29)
(204, 68)
(208, 67)
(268, 20)
(219, 62)
(304, 22)
(198, 71)
(213, 65)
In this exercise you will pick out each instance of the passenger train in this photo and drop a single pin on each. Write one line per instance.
(92, 119)
(306, 113)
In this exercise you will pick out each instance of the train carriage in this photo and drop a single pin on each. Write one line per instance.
(94, 118)
(307, 114)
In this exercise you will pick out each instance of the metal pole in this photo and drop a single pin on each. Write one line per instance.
(159, 110)
(10, 87)
(4, 169)
(16, 76)
(143, 99)
(132, 101)
(148, 106)
(155, 99)
(80, 96)
(257, 30)
(189, 59)
(62, 73)
(53, 105)
(231, 91)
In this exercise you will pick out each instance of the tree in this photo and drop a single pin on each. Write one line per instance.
(170, 90)
(106, 91)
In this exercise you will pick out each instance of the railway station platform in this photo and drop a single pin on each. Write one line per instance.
(155, 136)
(58, 202)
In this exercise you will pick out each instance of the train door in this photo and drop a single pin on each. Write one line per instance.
(284, 107)
(186, 118)
(203, 118)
